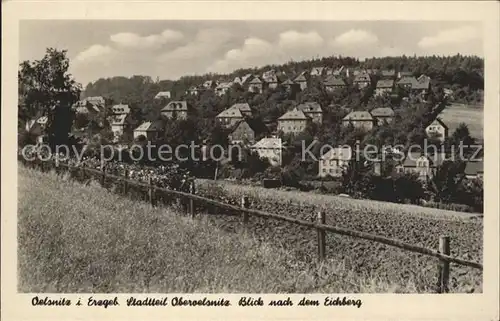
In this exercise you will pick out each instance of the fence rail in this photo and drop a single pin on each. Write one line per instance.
(443, 253)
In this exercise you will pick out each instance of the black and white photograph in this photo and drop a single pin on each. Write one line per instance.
(251, 156)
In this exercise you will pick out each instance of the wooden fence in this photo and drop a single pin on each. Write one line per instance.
(442, 253)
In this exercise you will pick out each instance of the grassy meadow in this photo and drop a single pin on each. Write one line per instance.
(472, 116)
(77, 238)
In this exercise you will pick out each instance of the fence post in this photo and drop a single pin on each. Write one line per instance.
(103, 175)
(125, 183)
(151, 192)
(321, 237)
(191, 201)
(244, 204)
(444, 266)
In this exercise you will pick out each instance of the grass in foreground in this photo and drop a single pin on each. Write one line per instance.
(75, 238)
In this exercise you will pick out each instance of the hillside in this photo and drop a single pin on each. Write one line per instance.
(96, 241)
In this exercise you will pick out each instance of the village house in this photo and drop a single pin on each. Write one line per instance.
(407, 82)
(121, 120)
(268, 74)
(312, 110)
(37, 126)
(242, 133)
(290, 86)
(223, 88)
(86, 107)
(474, 170)
(332, 83)
(163, 95)
(340, 71)
(424, 165)
(230, 117)
(362, 80)
(272, 82)
(270, 148)
(448, 92)
(210, 84)
(388, 74)
(402, 74)
(437, 130)
(359, 119)
(382, 115)
(293, 122)
(150, 130)
(422, 86)
(301, 81)
(175, 109)
(384, 86)
(335, 161)
(317, 71)
(194, 90)
(96, 100)
(244, 109)
(255, 86)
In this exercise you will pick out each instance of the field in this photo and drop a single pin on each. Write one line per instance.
(472, 116)
(411, 224)
(77, 238)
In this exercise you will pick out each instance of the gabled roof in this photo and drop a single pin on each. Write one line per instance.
(423, 82)
(385, 83)
(363, 77)
(223, 85)
(300, 78)
(437, 121)
(343, 153)
(269, 142)
(240, 123)
(407, 80)
(162, 94)
(294, 114)
(334, 82)
(388, 73)
(310, 107)
(358, 115)
(179, 105)
(150, 126)
(382, 112)
(95, 100)
(230, 113)
(256, 81)
(120, 109)
(244, 107)
(474, 167)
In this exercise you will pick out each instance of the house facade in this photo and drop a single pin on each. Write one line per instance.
(271, 82)
(333, 83)
(230, 117)
(382, 115)
(175, 109)
(359, 119)
(301, 80)
(242, 133)
(255, 86)
(335, 161)
(313, 111)
(437, 130)
(362, 80)
(424, 165)
(37, 126)
(293, 122)
(422, 86)
(384, 86)
(407, 82)
(150, 130)
(222, 88)
(270, 148)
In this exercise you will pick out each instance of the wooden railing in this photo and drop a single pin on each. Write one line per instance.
(442, 253)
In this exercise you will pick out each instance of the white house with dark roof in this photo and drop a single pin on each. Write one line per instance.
(312, 110)
(384, 86)
(37, 126)
(163, 95)
(293, 122)
(422, 86)
(359, 119)
(437, 130)
(301, 80)
(120, 109)
(335, 161)
(271, 81)
(423, 164)
(270, 148)
(230, 117)
(407, 82)
(362, 80)
(382, 115)
(151, 130)
(255, 86)
(223, 88)
(332, 83)
(175, 109)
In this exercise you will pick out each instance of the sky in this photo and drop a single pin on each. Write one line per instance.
(171, 49)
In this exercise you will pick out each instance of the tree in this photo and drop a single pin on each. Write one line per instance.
(47, 89)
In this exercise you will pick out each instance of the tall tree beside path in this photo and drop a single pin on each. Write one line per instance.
(46, 88)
